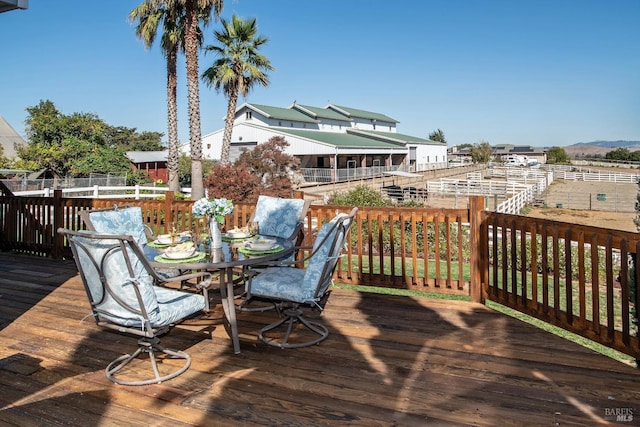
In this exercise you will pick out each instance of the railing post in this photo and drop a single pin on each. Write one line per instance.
(478, 257)
(58, 221)
(168, 210)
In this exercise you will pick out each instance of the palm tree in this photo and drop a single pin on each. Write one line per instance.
(150, 15)
(238, 68)
(194, 12)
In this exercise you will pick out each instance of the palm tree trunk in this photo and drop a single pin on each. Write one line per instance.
(228, 126)
(172, 116)
(193, 97)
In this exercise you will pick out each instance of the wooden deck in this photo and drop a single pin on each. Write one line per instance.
(389, 361)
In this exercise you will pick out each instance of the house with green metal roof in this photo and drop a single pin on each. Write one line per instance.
(331, 138)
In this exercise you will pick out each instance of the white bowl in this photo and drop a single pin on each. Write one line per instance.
(180, 254)
(261, 244)
(165, 239)
(236, 234)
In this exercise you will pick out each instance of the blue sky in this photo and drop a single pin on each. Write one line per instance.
(525, 72)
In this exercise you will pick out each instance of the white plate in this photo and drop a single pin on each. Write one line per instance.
(179, 255)
(238, 234)
(167, 241)
(260, 245)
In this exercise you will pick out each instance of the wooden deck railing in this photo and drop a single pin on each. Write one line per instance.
(576, 277)
(583, 279)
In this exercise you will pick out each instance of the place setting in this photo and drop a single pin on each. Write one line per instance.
(181, 252)
(170, 239)
(260, 245)
(239, 234)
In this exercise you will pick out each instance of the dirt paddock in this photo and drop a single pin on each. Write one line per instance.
(604, 214)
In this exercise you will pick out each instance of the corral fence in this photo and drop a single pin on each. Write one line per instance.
(23, 184)
(580, 278)
(623, 201)
(103, 191)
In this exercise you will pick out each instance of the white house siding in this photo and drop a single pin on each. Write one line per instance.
(367, 124)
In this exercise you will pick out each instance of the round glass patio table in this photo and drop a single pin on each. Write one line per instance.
(231, 256)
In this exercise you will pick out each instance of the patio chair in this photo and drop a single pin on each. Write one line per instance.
(292, 288)
(277, 217)
(127, 296)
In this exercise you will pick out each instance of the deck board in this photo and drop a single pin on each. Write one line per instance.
(389, 361)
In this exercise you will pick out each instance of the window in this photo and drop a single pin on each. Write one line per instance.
(208, 146)
(248, 115)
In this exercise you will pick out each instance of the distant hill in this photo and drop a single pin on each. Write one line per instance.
(599, 147)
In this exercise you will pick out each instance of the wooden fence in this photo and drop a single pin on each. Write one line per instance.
(576, 277)
(583, 279)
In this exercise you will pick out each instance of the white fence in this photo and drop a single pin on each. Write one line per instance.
(597, 176)
(104, 192)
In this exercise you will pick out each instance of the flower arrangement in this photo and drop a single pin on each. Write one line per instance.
(214, 208)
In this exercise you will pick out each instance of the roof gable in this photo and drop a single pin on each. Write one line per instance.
(361, 114)
(277, 113)
(147, 156)
(320, 113)
(9, 138)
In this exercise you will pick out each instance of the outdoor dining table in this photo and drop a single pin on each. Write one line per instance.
(225, 260)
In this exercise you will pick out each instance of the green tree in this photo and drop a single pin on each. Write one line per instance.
(619, 154)
(437, 135)
(130, 140)
(361, 195)
(77, 144)
(238, 69)
(557, 155)
(151, 16)
(481, 153)
(184, 169)
(4, 161)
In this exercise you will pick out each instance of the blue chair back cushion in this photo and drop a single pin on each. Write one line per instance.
(116, 300)
(278, 217)
(120, 221)
(304, 285)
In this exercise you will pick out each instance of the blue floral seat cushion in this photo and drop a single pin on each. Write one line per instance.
(284, 283)
(295, 284)
(120, 221)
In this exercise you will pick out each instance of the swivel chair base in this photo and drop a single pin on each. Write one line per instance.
(149, 346)
(293, 316)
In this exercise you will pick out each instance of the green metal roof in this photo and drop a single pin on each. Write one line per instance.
(340, 140)
(324, 113)
(362, 114)
(278, 113)
(395, 137)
